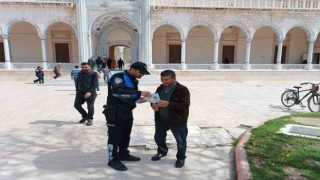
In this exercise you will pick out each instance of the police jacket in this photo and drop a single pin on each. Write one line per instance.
(87, 82)
(178, 105)
(123, 91)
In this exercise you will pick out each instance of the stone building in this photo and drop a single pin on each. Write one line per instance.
(175, 34)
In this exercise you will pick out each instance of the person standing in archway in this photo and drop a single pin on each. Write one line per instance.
(109, 62)
(120, 63)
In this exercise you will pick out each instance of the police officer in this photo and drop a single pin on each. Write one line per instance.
(123, 94)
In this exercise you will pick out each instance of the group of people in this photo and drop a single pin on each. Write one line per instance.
(171, 112)
(40, 74)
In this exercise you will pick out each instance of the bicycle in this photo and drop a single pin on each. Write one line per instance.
(291, 97)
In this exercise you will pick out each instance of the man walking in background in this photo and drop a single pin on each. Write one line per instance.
(86, 85)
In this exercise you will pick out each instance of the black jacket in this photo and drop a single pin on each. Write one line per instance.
(87, 82)
(123, 91)
(178, 105)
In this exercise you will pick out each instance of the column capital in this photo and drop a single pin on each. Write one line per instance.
(43, 36)
(5, 36)
(183, 39)
(216, 40)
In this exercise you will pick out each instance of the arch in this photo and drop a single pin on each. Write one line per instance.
(212, 29)
(306, 29)
(11, 23)
(274, 27)
(182, 36)
(125, 27)
(52, 22)
(240, 26)
(118, 14)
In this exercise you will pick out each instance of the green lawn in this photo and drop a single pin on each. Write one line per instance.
(270, 153)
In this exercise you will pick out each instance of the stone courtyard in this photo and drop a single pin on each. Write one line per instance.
(41, 139)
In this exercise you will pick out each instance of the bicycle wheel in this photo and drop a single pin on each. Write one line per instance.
(288, 98)
(313, 103)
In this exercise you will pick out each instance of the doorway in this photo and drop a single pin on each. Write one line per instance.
(316, 58)
(283, 56)
(1, 52)
(228, 54)
(175, 54)
(62, 52)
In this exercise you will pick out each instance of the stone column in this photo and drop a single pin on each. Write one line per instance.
(90, 45)
(5, 38)
(310, 56)
(279, 55)
(183, 54)
(44, 52)
(215, 64)
(82, 30)
(247, 60)
(145, 20)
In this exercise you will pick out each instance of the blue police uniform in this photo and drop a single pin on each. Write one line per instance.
(122, 96)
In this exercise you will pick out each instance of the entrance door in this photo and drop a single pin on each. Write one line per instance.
(62, 52)
(174, 53)
(228, 54)
(316, 58)
(1, 52)
(283, 56)
(112, 57)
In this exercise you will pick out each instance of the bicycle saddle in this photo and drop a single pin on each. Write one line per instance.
(298, 87)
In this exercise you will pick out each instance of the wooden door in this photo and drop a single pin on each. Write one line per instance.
(62, 52)
(283, 55)
(2, 58)
(112, 57)
(174, 53)
(228, 54)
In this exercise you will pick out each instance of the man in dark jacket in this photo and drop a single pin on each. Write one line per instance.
(123, 94)
(86, 85)
(171, 113)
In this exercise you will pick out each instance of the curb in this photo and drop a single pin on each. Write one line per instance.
(242, 165)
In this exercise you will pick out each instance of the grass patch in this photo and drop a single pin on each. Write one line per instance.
(272, 155)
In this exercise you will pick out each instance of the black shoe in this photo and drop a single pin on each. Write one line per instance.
(117, 165)
(82, 120)
(89, 123)
(34, 81)
(129, 158)
(157, 157)
(179, 163)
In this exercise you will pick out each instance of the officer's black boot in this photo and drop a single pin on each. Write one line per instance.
(117, 165)
(89, 123)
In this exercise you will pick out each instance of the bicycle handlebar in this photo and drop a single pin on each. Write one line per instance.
(305, 83)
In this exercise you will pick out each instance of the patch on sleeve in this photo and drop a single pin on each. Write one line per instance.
(118, 80)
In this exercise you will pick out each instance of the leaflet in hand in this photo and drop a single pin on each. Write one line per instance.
(155, 98)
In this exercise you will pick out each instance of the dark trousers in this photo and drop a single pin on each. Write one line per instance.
(180, 134)
(119, 122)
(90, 104)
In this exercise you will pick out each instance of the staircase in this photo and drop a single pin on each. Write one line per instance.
(65, 80)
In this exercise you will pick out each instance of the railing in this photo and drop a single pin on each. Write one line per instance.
(2, 65)
(316, 66)
(199, 66)
(231, 66)
(63, 66)
(167, 66)
(39, 1)
(293, 66)
(263, 66)
(239, 4)
(70, 66)
(25, 65)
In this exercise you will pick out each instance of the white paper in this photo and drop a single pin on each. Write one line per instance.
(155, 98)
